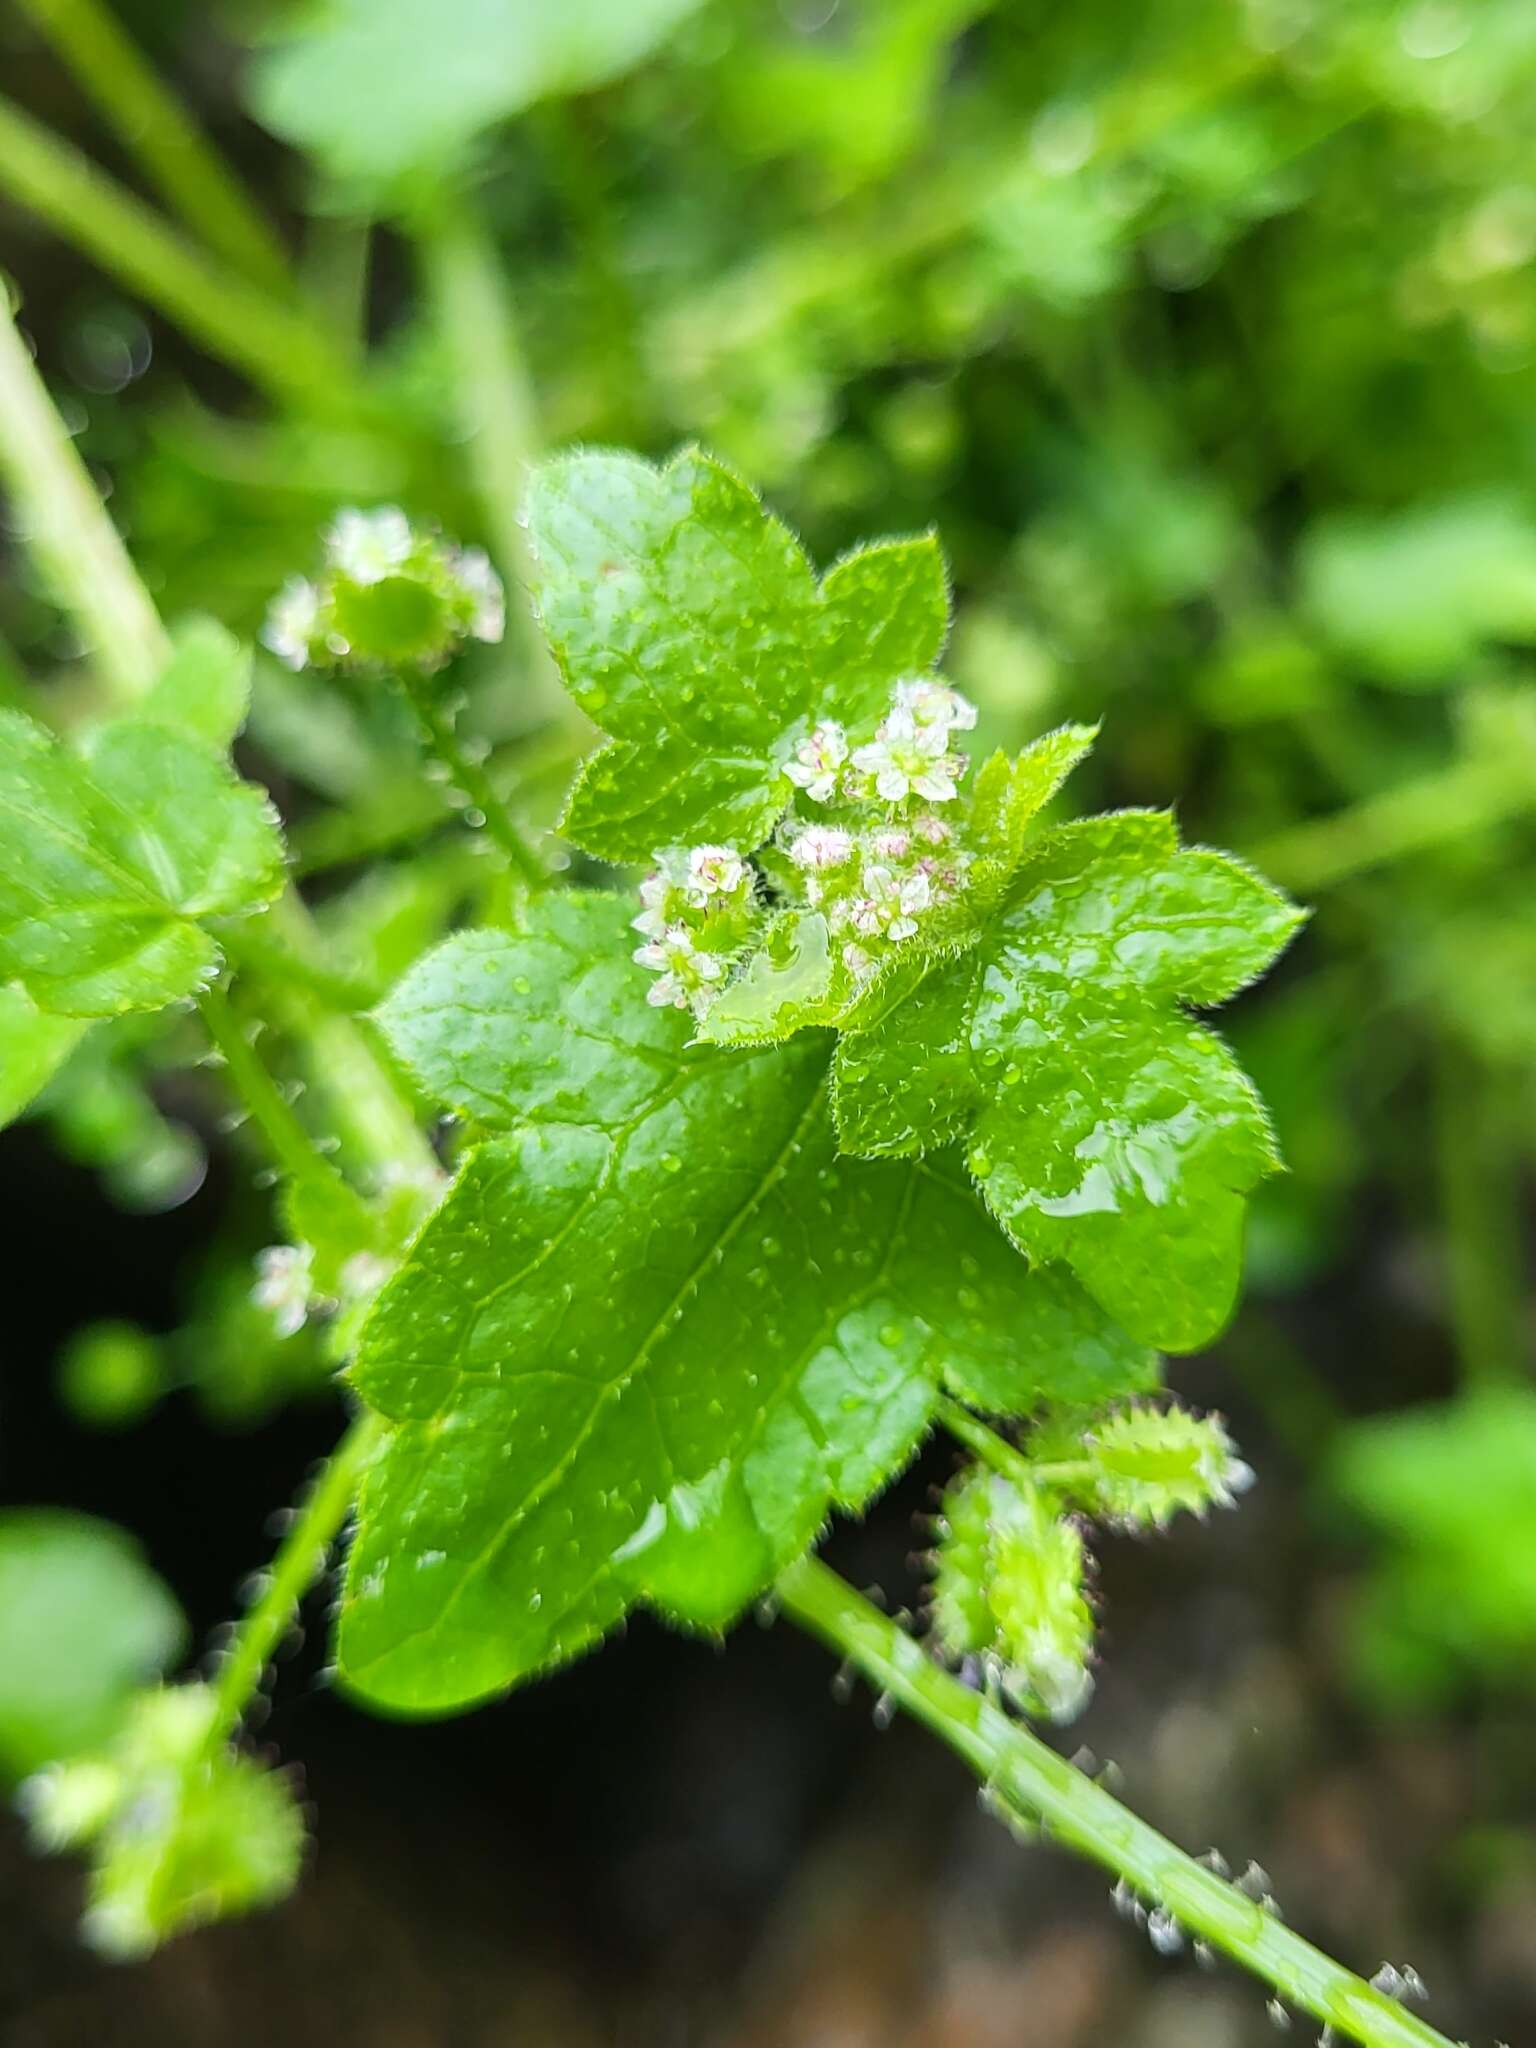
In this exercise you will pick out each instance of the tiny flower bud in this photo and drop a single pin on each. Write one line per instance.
(388, 596)
(284, 1284)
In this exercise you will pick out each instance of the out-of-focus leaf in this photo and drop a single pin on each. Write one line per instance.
(83, 1621)
(1414, 597)
(376, 88)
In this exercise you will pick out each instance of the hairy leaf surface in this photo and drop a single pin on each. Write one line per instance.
(1103, 1125)
(110, 858)
(689, 626)
(657, 1328)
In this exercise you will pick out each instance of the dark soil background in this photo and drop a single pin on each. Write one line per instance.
(676, 1844)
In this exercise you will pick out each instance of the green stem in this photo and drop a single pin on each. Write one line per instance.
(498, 411)
(1429, 811)
(469, 776)
(249, 946)
(290, 1144)
(378, 1124)
(68, 529)
(153, 124)
(992, 1449)
(300, 1559)
(280, 350)
(1480, 1207)
(106, 597)
(1026, 1775)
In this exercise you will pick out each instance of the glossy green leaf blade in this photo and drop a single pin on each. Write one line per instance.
(631, 797)
(1105, 1127)
(656, 1330)
(546, 1025)
(377, 88)
(109, 859)
(689, 625)
(33, 1046)
(888, 616)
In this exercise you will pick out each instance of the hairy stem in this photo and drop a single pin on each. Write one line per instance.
(67, 527)
(76, 541)
(377, 1120)
(280, 350)
(250, 946)
(286, 1138)
(300, 1559)
(994, 1450)
(469, 777)
(475, 316)
(1025, 1775)
(153, 124)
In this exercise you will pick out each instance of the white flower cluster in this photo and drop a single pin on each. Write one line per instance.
(342, 618)
(909, 756)
(876, 880)
(697, 913)
(880, 861)
(875, 886)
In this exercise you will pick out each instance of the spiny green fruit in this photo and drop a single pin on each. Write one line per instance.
(963, 1623)
(1009, 1587)
(1153, 1462)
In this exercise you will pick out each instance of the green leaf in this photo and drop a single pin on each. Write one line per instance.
(83, 1621)
(657, 1328)
(785, 985)
(689, 625)
(377, 88)
(110, 857)
(1452, 1492)
(1415, 596)
(33, 1046)
(204, 690)
(1104, 1127)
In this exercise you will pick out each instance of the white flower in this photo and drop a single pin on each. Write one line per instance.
(818, 762)
(367, 546)
(283, 1285)
(906, 759)
(662, 893)
(894, 844)
(686, 974)
(479, 582)
(930, 702)
(857, 960)
(891, 902)
(930, 828)
(714, 871)
(820, 847)
(363, 1275)
(291, 621)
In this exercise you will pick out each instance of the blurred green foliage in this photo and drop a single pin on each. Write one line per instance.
(1206, 331)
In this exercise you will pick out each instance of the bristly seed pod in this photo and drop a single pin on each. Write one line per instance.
(1154, 1462)
(1010, 1588)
